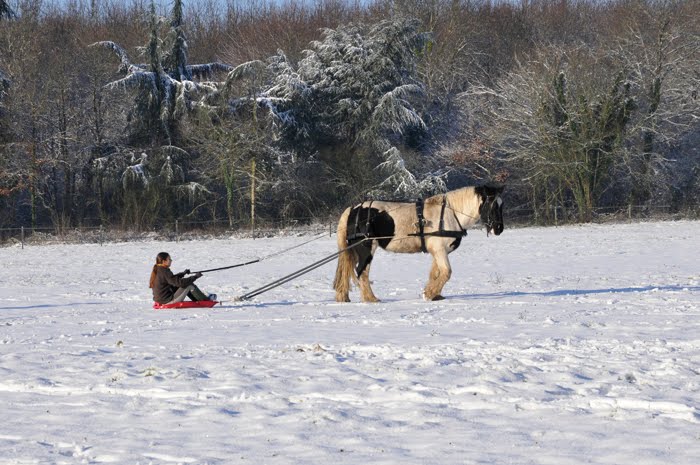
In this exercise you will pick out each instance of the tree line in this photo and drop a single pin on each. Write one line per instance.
(134, 114)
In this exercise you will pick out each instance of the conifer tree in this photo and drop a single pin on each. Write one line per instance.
(175, 59)
(168, 88)
(354, 95)
(5, 11)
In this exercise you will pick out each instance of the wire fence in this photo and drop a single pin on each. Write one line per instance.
(178, 230)
(182, 230)
(559, 215)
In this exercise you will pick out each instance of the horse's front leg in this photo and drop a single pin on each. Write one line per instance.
(366, 292)
(440, 273)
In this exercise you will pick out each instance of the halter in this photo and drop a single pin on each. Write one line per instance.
(489, 223)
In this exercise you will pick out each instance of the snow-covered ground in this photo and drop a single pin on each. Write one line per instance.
(569, 345)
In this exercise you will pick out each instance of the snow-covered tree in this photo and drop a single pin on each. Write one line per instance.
(561, 120)
(5, 11)
(363, 80)
(353, 92)
(148, 187)
(663, 61)
(175, 59)
(167, 88)
(402, 183)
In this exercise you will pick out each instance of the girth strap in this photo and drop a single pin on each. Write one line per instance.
(369, 217)
(421, 224)
(442, 213)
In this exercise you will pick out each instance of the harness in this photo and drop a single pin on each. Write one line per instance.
(363, 228)
(358, 233)
(441, 232)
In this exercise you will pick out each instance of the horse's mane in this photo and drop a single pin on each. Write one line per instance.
(433, 199)
(437, 199)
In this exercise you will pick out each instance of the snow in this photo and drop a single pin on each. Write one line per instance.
(567, 345)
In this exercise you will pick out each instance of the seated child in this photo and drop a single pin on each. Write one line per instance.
(169, 288)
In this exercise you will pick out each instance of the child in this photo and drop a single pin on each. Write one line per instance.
(169, 288)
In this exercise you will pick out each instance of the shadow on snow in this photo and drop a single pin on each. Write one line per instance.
(577, 292)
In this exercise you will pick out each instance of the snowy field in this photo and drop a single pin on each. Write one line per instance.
(571, 345)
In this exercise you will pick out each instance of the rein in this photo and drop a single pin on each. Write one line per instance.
(280, 252)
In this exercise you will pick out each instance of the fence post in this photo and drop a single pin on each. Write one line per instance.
(22, 237)
(101, 235)
(177, 231)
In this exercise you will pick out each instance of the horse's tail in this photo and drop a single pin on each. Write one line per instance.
(347, 260)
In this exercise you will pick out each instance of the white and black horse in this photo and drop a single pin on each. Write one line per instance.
(435, 225)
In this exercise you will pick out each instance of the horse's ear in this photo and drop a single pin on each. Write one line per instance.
(488, 190)
(498, 188)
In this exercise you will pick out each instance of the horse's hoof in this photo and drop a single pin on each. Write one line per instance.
(342, 298)
(437, 297)
(371, 300)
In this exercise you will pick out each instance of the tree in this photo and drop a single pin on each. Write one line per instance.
(4, 87)
(167, 88)
(146, 188)
(24, 173)
(561, 120)
(239, 149)
(662, 54)
(7, 180)
(156, 186)
(351, 96)
(5, 11)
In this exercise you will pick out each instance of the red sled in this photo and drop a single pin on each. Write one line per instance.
(186, 304)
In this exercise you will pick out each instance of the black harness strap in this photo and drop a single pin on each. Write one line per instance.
(369, 217)
(356, 232)
(442, 213)
(441, 231)
(359, 233)
(421, 224)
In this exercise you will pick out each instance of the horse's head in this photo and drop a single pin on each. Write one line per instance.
(491, 208)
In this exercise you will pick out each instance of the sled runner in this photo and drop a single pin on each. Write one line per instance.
(186, 304)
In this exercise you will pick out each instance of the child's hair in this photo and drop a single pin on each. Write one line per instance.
(160, 258)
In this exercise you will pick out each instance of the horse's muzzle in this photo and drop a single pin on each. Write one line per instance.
(497, 229)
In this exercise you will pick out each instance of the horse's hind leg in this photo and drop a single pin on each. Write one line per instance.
(366, 292)
(440, 273)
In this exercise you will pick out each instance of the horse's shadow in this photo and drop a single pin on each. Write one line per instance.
(254, 304)
(575, 292)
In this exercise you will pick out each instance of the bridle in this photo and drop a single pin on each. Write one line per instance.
(490, 217)
(487, 203)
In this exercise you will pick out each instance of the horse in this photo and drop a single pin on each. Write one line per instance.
(435, 225)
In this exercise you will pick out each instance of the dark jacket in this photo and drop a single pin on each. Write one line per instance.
(167, 283)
